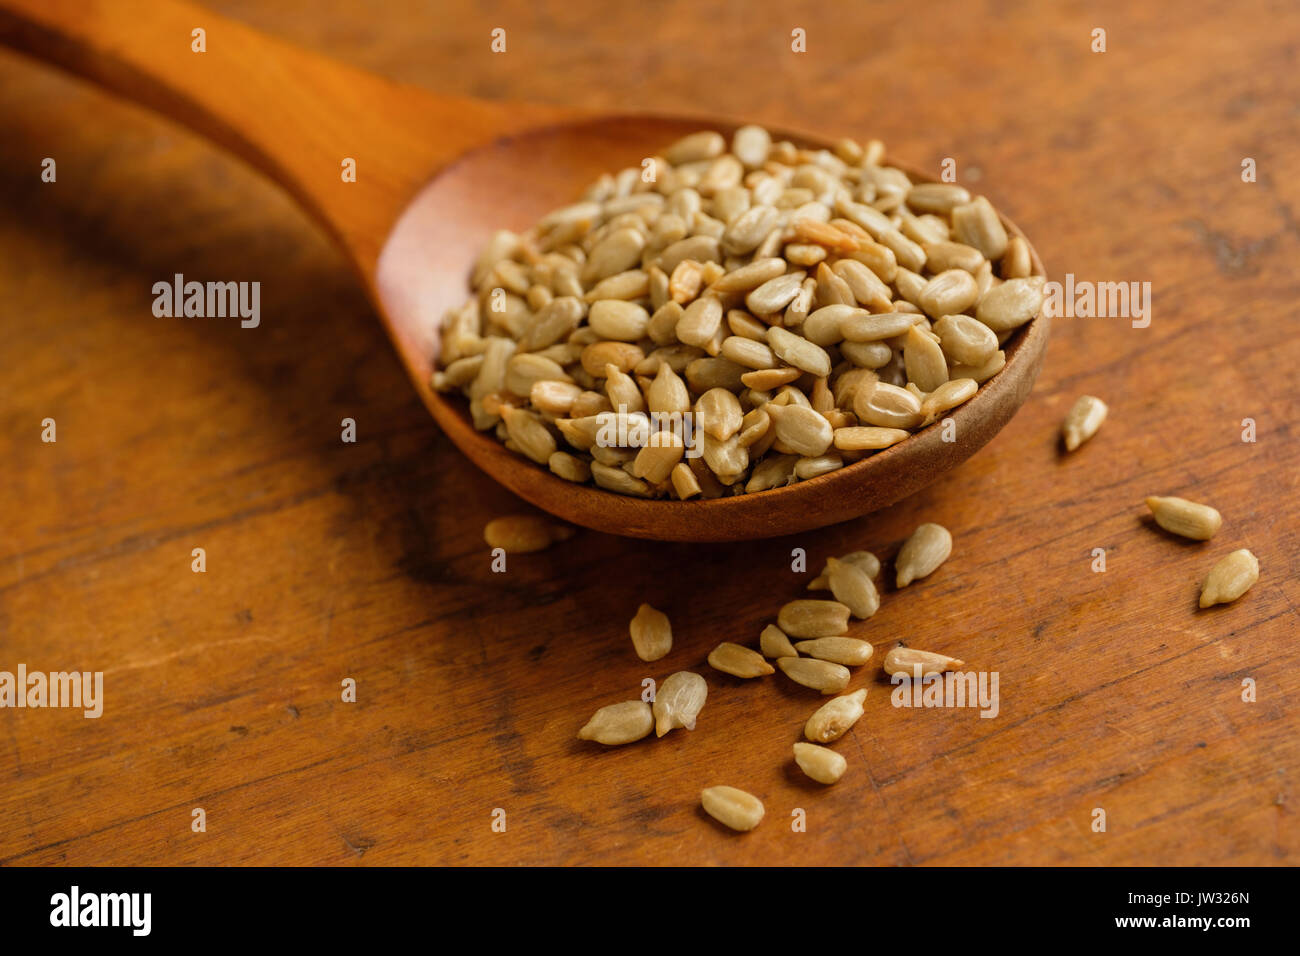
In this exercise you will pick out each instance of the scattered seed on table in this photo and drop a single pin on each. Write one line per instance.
(619, 723)
(1230, 578)
(820, 763)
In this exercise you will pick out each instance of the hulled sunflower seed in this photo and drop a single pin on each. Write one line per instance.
(833, 719)
(852, 587)
(820, 763)
(738, 661)
(947, 397)
(839, 264)
(811, 618)
(1230, 578)
(616, 479)
(1082, 421)
(965, 341)
(684, 482)
(797, 351)
(774, 294)
(569, 467)
(520, 534)
(949, 293)
(750, 145)
(1186, 518)
(1011, 304)
(1016, 263)
(733, 808)
(922, 553)
(652, 634)
(976, 223)
(924, 361)
(848, 651)
(868, 438)
(887, 406)
(936, 197)
(619, 723)
(819, 675)
(909, 661)
(799, 430)
(617, 320)
(774, 643)
(678, 701)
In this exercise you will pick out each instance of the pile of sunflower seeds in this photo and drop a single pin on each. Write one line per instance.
(727, 320)
(818, 659)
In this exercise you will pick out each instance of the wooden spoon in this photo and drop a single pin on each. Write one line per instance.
(435, 176)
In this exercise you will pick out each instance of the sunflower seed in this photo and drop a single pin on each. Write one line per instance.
(923, 360)
(622, 355)
(747, 352)
(619, 723)
(852, 587)
(820, 763)
(618, 320)
(738, 661)
(806, 468)
(748, 230)
(868, 438)
(800, 430)
(750, 276)
(980, 373)
(569, 467)
(750, 145)
(965, 341)
(1011, 304)
(616, 479)
(936, 197)
(942, 255)
(949, 293)
(976, 223)
(731, 807)
(833, 719)
(811, 618)
(1015, 261)
(519, 534)
(774, 643)
(678, 701)
(529, 434)
(797, 351)
(819, 675)
(1186, 518)
(1230, 578)
(922, 553)
(652, 634)
(946, 397)
(684, 483)
(887, 406)
(838, 650)
(700, 322)
(774, 294)
(1083, 420)
(907, 660)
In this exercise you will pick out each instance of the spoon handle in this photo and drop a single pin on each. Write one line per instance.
(295, 115)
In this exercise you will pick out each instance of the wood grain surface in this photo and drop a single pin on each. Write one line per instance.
(328, 560)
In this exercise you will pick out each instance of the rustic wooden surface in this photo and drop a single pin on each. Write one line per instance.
(329, 560)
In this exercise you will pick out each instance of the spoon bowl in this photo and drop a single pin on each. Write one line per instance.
(435, 176)
(424, 270)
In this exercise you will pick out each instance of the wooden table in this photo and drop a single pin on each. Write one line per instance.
(327, 560)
